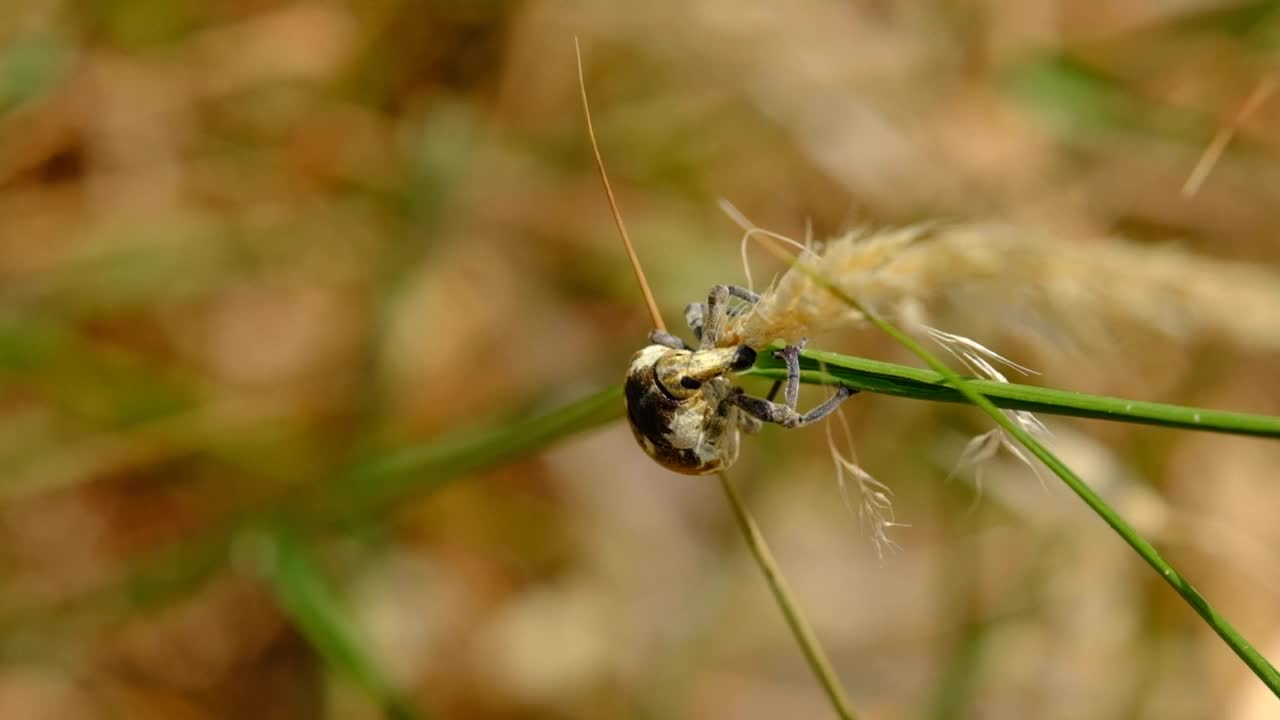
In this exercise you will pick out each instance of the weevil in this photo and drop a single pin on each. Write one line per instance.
(685, 411)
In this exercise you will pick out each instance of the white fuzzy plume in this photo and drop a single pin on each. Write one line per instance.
(997, 278)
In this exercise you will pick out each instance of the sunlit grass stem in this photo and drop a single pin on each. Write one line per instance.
(800, 628)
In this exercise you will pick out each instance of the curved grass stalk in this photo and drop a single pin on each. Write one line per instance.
(1254, 660)
(796, 621)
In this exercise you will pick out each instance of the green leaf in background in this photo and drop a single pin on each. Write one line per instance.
(372, 485)
(317, 612)
(31, 66)
(1080, 101)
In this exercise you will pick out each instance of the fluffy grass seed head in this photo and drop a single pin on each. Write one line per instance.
(993, 279)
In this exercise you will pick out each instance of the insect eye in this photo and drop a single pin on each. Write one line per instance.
(744, 358)
(689, 383)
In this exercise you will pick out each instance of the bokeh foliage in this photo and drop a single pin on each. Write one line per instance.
(261, 262)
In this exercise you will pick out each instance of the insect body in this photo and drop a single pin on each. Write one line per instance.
(685, 411)
(684, 423)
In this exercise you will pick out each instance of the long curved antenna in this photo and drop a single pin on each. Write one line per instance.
(613, 202)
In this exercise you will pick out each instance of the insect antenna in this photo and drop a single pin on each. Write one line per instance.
(613, 202)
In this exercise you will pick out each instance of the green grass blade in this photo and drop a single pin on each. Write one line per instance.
(1225, 630)
(796, 621)
(367, 487)
(372, 484)
(317, 612)
(920, 384)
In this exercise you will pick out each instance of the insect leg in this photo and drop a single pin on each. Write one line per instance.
(659, 337)
(752, 424)
(787, 417)
(827, 406)
(696, 315)
(791, 355)
(693, 314)
(712, 316)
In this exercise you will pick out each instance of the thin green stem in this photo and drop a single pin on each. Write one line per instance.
(1232, 637)
(912, 382)
(800, 627)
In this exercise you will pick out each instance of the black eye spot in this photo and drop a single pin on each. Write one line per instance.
(689, 383)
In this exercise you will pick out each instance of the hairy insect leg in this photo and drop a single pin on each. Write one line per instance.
(777, 413)
(749, 296)
(666, 339)
(710, 318)
(785, 413)
(693, 314)
(752, 424)
(791, 356)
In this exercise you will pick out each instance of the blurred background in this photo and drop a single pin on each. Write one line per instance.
(256, 257)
